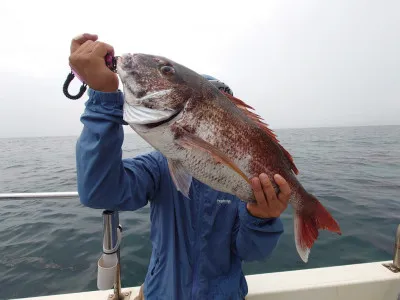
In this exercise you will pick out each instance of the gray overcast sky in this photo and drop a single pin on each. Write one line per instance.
(298, 63)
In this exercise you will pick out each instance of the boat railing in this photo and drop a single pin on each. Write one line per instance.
(109, 266)
(52, 195)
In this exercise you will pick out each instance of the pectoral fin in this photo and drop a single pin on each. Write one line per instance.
(180, 176)
(188, 140)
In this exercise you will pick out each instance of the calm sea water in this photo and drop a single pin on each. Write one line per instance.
(52, 246)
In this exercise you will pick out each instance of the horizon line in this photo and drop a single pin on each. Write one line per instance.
(273, 129)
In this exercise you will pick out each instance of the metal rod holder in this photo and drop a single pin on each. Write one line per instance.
(396, 255)
(111, 247)
(110, 230)
(395, 265)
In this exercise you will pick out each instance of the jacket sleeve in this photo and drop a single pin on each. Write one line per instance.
(255, 238)
(104, 179)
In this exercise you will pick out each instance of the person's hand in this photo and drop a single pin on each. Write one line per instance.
(87, 59)
(269, 204)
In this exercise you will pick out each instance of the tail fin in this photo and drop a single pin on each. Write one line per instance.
(308, 221)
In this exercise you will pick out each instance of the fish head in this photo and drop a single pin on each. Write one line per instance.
(156, 89)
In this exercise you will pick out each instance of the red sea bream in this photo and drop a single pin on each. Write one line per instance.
(212, 136)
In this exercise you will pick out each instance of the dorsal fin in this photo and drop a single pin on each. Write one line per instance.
(262, 125)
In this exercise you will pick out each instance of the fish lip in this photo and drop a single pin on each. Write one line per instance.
(138, 114)
(165, 121)
(120, 59)
(153, 95)
(134, 112)
(137, 101)
(144, 127)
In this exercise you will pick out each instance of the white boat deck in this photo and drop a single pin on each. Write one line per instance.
(369, 281)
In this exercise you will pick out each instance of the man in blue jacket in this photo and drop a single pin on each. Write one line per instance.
(198, 245)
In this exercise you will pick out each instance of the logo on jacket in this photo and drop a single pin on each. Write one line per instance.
(224, 201)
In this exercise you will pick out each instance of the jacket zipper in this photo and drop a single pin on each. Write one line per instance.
(197, 252)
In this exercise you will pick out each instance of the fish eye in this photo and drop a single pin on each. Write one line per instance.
(167, 70)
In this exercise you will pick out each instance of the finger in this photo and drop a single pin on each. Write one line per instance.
(102, 49)
(252, 208)
(258, 191)
(268, 188)
(82, 54)
(86, 48)
(284, 188)
(81, 39)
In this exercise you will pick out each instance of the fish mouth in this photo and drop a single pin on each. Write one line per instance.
(139, 115)
(146, 118)
(137, 112)
(156, 124)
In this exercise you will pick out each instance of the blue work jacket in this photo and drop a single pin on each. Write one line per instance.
(198, 244)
